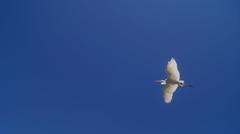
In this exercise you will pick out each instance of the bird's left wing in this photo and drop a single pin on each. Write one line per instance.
(168, 91)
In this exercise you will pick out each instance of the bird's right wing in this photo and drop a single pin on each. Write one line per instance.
(168, 91)
(172, 70)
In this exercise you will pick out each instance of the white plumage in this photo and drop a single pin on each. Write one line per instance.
(172, 82)
(172, 70)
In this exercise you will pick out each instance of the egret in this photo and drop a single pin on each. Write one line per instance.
(172, 82)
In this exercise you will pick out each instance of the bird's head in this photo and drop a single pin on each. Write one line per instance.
(181, 83)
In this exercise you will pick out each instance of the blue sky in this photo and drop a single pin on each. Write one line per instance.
(87, 67)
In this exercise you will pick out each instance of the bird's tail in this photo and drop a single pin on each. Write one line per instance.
(162, 82)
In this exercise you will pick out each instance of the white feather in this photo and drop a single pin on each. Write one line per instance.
(173, 75)
(172, 70)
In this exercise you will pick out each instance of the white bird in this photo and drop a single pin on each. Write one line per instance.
(172, 82)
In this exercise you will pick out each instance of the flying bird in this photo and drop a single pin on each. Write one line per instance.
(172, 82)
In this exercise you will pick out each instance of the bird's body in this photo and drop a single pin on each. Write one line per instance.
(172, 82)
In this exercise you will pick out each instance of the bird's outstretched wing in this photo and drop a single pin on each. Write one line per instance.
(172, 70)
(168, 91)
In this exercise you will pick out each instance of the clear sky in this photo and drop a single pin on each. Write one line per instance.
(88, 66)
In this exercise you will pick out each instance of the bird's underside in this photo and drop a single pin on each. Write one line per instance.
(171, 83)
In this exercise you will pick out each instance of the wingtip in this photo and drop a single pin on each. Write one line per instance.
(167, 101)
(172, 59)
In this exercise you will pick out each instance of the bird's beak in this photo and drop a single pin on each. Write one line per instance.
(188, 85)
